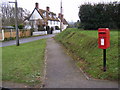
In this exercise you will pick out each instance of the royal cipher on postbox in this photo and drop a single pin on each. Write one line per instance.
(103, 38)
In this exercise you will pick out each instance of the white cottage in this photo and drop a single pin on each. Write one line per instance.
(41, 19)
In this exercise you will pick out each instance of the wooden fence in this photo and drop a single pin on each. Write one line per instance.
(5, 34)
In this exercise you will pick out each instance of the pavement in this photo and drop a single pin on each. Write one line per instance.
(61, 71)
(24, 40)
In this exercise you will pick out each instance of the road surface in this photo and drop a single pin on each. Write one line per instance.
(24, 40)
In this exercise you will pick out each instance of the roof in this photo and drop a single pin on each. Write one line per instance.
(65, 22)
(49, 15)
(46, 15)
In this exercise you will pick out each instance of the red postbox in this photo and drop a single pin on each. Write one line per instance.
(103, 38)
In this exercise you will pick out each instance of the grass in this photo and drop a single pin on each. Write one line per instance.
(0, 64)
(24, 63)
(83, 47)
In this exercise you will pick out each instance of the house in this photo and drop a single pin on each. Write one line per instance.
(44, 21)
(64, 23)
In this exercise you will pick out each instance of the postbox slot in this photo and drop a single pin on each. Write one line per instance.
(102, 32)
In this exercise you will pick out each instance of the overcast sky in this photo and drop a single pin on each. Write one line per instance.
(70, 7)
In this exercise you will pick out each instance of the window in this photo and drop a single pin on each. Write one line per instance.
(56, 22)
(51, 22)
(44, 14)
(50, 15)
(55, 16)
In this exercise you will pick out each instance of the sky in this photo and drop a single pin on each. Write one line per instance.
(70, 7)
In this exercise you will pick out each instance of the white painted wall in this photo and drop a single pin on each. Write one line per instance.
(35, 15)
(64, 27)
(56, 31)
(53, 23)
(39, 33)
(35, 26)
(59, 24)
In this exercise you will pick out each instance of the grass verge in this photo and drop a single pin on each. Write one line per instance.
(24, 63)
(82, 45)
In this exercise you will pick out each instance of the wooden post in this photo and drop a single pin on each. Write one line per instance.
(3, 35)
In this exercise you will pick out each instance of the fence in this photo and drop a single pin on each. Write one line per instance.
(6, 34)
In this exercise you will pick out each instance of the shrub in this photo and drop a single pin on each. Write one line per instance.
(21, 26)
(41, 28)
(100, 16)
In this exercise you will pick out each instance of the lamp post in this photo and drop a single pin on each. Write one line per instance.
(16, 23)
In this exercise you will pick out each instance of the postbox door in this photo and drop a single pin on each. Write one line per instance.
(103, 38)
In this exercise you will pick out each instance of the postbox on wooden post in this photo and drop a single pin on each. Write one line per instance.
(104, 43)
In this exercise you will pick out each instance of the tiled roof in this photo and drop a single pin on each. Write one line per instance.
(65, 22)
(60, 16)
(47, 15)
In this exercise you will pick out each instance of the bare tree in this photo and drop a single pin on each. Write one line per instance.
(8, 14)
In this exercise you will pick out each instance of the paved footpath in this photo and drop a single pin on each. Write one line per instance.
(62, 72)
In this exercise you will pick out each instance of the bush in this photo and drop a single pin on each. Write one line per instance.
(10, 38)
(100, 16)
(41, 28)
(21, 26)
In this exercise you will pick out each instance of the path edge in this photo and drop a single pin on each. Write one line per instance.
(45, 68)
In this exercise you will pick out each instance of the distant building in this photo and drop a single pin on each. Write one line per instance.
(43, 18)
(64, 23)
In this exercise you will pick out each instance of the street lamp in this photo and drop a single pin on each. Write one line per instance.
(16, 23)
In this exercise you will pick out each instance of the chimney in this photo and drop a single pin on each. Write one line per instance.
(48, 8)
(60, 15)
(36, 5)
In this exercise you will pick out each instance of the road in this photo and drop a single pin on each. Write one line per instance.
(24, 40)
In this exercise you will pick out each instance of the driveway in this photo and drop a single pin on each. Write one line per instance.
(24, 40)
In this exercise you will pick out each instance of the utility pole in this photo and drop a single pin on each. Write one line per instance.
(16, 23)
(61, 17)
